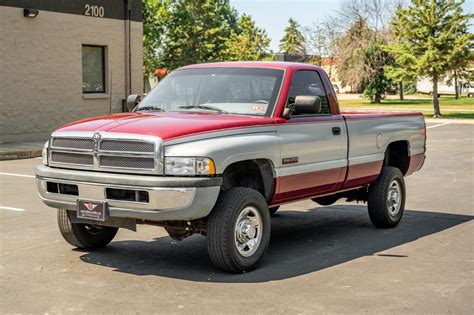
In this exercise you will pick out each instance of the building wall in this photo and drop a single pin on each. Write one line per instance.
(41, 70)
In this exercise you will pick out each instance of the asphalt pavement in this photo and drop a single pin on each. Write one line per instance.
(320, 259)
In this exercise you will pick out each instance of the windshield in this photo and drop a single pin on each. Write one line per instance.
(243, 91)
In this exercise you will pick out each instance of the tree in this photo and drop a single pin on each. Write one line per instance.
(430, 34)
(316, 41)
(350, 48)
(153, 28)
(249, 42)
(293, 42)
(375, 58)
(196, 31)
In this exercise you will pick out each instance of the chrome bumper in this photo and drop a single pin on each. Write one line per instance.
(170, 198)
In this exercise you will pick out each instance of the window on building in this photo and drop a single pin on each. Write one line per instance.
(308, 82)
(93, 69)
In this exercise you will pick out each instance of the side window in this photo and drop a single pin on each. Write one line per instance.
(308, 82)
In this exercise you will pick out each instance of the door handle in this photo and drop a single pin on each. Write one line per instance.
(336, 131)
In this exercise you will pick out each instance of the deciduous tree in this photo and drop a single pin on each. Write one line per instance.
(249, 42)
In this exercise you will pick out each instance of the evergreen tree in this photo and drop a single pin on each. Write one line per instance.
(430, 35)
(249, 42)
(293, 42)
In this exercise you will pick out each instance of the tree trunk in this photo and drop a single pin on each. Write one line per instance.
(378, 99)
(437, 112)
(456, 84)
(400, 86)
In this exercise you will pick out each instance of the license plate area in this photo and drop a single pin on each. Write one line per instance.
(92, 210)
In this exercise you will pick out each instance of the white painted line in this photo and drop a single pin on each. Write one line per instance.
(446, 123)
(18, 175)
(10, 208)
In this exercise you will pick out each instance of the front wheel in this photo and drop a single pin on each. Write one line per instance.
(238, 230)
(387, 198)
(85, 236)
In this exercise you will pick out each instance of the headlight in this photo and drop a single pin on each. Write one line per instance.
(189, 166)
(44, 153)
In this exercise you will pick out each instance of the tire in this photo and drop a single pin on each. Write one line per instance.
(387, 198)
(84, 236)
(470, 95)
(326, 200)
(223, 230)
(273, 210)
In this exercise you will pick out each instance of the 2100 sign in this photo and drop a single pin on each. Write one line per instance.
(94, 10)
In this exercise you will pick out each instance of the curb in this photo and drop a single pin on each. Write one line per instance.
(20, 154)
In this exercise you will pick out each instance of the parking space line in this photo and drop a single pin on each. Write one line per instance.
(443, 124)
(18, 175)
(11, 208)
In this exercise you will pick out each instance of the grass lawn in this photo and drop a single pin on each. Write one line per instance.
(450, 107)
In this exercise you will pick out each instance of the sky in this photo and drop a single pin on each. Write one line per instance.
(273, 15)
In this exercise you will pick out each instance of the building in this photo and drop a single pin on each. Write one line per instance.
(61, 61)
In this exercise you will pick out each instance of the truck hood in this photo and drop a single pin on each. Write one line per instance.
(166, 125)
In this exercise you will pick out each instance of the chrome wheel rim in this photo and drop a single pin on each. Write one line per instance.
(248, 231)
(394, 198)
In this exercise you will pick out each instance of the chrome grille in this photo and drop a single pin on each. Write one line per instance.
(106, 151)
(127, 162)
(126, 146)
(72, 158)
(73, 143)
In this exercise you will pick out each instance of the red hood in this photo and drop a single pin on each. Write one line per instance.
(166, 125)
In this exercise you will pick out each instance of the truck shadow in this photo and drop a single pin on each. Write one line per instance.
(302, 242)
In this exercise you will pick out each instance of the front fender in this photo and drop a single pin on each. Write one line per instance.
(230, 149)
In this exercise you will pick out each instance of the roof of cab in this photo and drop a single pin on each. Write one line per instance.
(253, 64)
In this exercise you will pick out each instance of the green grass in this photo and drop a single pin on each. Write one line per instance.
(450, 107)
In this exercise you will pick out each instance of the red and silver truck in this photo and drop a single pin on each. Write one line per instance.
(216, 148)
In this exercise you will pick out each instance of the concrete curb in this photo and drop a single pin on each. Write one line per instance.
(20, 154)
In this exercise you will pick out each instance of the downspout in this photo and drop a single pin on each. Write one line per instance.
(128, 75)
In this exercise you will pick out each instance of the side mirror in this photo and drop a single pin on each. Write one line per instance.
(304, 104)
(132, 101)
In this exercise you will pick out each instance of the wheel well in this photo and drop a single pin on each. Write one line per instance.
(256, 174)
(396, 155)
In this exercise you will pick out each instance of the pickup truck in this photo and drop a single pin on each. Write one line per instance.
(216, 148)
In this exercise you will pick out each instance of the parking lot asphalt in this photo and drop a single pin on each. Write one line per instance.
(320, 259)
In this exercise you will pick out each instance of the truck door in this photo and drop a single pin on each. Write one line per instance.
(313, 147)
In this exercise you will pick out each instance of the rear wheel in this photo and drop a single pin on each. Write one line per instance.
(387, 198)
(85, 236)
(238, 230)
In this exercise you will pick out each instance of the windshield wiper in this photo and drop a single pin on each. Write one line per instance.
(152, 108)
(209, 107)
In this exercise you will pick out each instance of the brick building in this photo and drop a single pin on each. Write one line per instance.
(65, 60)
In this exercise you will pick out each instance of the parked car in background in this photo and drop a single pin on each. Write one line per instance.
(336, 88)
(215, 149)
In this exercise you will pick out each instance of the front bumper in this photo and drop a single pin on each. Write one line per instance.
(170, 198)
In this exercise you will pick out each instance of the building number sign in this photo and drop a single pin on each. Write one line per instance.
(94, 10)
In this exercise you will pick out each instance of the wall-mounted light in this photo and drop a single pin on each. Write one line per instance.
(31, 13)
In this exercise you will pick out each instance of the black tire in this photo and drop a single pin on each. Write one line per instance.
(381, 210)
(273, 210)
(83, 235)
(221, 229)
(326, 200)
(470, 95)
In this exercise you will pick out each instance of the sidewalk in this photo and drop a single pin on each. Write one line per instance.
(20, 150)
